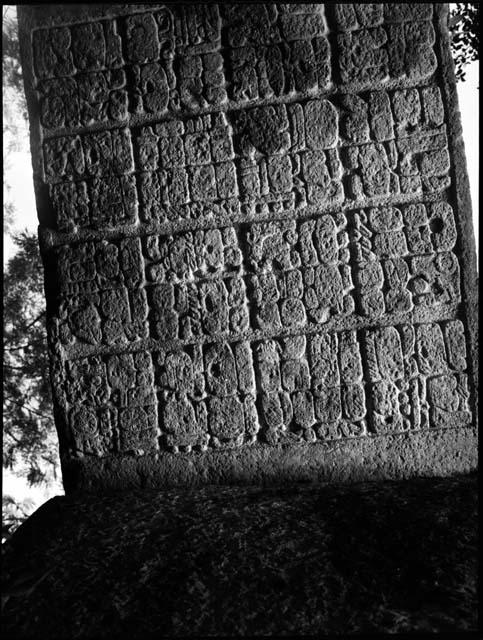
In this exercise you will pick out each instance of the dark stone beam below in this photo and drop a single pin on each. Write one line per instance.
(395, 557)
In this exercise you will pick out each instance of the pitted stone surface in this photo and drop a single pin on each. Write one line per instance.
(297, 561)
(256, 229)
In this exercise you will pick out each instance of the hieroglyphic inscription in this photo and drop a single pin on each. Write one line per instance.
(251, 225)
(312, 386)
(324, 152)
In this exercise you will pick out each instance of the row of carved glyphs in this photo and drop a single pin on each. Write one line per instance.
(193, 57)
(269, 276)
(286, 389)
(259, 161)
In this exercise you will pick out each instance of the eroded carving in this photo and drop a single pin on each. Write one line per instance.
(252, 228)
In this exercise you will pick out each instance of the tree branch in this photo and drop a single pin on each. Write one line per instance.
(24, 346)
(10, 366)
(8, 432)
(26, 407)
(36, 320)
(26, 328)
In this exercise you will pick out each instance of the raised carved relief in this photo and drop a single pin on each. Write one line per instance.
(251, 226)
(384, 41)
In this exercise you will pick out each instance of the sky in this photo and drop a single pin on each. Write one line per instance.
(468, 97)
(18, 174)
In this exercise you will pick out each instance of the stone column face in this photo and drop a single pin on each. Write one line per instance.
(256, 230)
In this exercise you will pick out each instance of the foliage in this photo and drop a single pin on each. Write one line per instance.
(464, 26)
(29, 435)
(13, 514)
(15, 124)
(30, 446)
(29, 432)
(11, 69)
(14, 103)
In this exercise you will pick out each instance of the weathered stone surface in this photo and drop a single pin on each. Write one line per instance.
(256, 228)
(394, 557)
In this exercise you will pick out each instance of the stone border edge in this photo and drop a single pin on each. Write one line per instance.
(460, 190)
(440, 452)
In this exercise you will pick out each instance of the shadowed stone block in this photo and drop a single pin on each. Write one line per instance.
(144, 564)
(256, 230)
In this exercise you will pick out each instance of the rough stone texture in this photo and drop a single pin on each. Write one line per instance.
(256, 229)
(244, 561)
